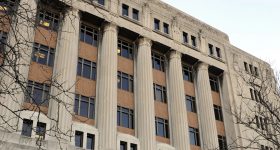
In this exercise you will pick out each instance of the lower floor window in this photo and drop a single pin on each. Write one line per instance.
(79, 139)
(222, 142)
(123, 145)
(162, 128)
(38, 93)
(27, 127)
(125, 117)
(41, 129)
(90, 141)
(194, 136)
(84, 106)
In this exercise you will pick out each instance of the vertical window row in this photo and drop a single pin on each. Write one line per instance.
(86, 69)
(38, 93)
(125, 81)
(160, 93)
(125, 49)
(162, 127)
(158, 62)
(43, 54)
(125, 117)
(84, 106)
(89, 35)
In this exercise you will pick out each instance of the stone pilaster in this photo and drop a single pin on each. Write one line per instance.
(14, 76)
(207, 121)
(64, 73)
(107, 89)
(177, 105)
(144, 96)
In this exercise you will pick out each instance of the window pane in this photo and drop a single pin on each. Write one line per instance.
(91, 112)
(84, 108)
(125, 122)
(89, 38)
(86, 71)
(37, 96)
(41, 129)
(90, 141)
(27, 127)
(42, 57)
(76, 107)
(78, 139)
(125, 84)
(160, 129)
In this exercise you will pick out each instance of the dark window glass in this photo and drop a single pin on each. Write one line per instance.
(38, 93)
(156, 24)
(214, 83)
(191, 105)
(8, 6)
(101, 2)
(3, 40)
(256, 71)
(90, 141)
(84, 106)
(135, 14)
(125, 81)
(218, 113)
(160, 93)
(86, 69)
(252, 94)
(185, 37)
(27, 127)
(125, 9)
(125, 49)
(41, 129)
(246, 66)
(48, 19)
(123, 145)
(256, 95)
(222, 142)
(194, 136)
(162, 128)
(193, 39)
(158, 61)
(251, 69)
(43, 54)
(210, 46)
(89, 35)
(166, 28)
(125, 117)
(79, 139)
(133, 146)
(218, 51)
(187, 73)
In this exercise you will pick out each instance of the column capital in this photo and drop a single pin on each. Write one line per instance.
(145, 41)
(174, 54)
(202, 66)
(110, 26)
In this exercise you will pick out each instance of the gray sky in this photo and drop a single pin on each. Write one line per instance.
(252, 25)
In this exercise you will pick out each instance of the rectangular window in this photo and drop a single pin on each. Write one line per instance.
(123, 145)
(252, 94)
(38, 93)
(125, 49)
(79, 138)
(133, 146)
(210, 46)
(125, 117)
(190, 102)
(125, 81)
(218, 51)
(187, 73)
(135, 14)
(194, 136)
(218, 113)
(193, 39)
(86, 69)
(125, 9)
(48, 19)
(185, 38)
(222, 142)
(3, 40)
(90, 141)
(7, 5)
(89, 35)
(214, 83)
(158, 61)
(84, 106)
(160, 93)
(156, 24)
(256, 71)
(43, 54)
(41, 129)
(27, 127)
(101, 2)
(162, 128)
(251, 69)
(166, 28)
(246, 66)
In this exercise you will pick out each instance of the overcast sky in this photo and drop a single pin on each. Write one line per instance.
(252, 25)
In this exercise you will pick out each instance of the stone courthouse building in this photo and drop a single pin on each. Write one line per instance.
(142, 75)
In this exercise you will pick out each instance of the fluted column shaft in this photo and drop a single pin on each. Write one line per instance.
(144, 96)
(107, 89)
(205, 106)
(13, 77)
(177, 105)
(64, 73)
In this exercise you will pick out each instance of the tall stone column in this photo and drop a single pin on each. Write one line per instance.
(206, 111)
(107, 89)
(144, 96)
(178, 115)
(14, 74)
(64, 73)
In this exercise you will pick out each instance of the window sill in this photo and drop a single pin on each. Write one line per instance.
(96, 4)
(190, 46)
(217, 58)
(132, 20)
(163, 34)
